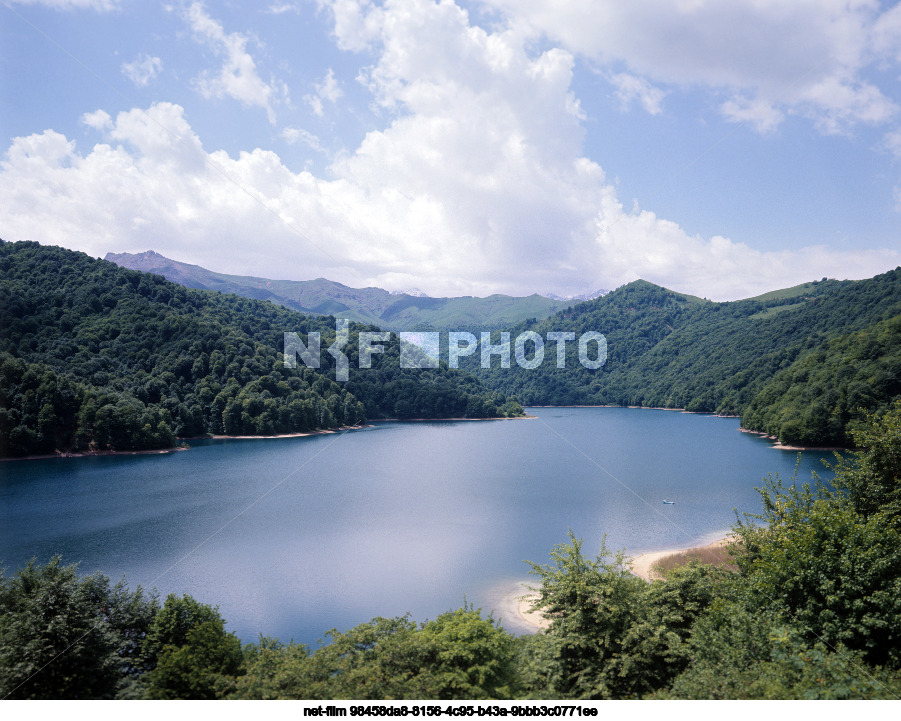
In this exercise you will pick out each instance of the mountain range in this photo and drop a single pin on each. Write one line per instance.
(410, 310)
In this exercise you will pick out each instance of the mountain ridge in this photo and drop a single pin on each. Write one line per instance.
(371, 305)
(804, 364)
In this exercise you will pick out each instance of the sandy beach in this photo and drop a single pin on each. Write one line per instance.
(324, 431)
(642, 566)
(779, 446)
(426, 420)
(91, 454)
(782, 447)
(173, 449)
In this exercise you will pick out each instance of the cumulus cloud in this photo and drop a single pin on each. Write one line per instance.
(477, 184)
(99, 120)
(642, 245)
(771, 57)
(238, 77)
(142, 69)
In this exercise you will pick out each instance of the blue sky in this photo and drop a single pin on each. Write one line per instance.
(721, 148)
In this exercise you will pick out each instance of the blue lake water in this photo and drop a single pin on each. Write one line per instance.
(292, 537)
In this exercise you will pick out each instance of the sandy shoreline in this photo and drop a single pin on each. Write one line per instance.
(783, 447)
(438, 420)
(95, 454)
(173, 449)
(642, 408)
(91, 454)
(641, 566)
(322, 432)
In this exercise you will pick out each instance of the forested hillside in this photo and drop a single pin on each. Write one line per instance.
(801, 364)
(98, 357)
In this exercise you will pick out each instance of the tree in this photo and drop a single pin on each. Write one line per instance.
(173, 622)
(740, 653)
(459, 655)
(380, 659)
(471, 657)
(655, 648)
(204, 667)
(273, 671)
(835, 573)
(65, 637)
(189, 653)
(591, 604)
(872, 481)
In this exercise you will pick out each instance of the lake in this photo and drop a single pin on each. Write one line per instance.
(291, 537)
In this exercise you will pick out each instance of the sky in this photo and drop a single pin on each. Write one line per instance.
(722, 148)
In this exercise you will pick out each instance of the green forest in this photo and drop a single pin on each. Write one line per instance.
(804, 365)
(813, 612)
(94, 357)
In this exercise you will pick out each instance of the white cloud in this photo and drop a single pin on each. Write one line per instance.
(292, 136)
(142, 69)
(643, 245)
(354, 28)
(630, 88)
(838, 105)
(159, 189)
(282, 8)
(99, 120)
(892, 142)
(887, 34)
(328, 90)
(770, 56)
(478, 184)
(758, 113)
(238, 76)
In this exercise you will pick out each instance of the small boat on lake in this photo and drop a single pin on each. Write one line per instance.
(669, 503)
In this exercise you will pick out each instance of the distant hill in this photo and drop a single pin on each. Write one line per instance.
(804, 364)
(412, 310)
